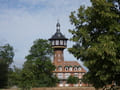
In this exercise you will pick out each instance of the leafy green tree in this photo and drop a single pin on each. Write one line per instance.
(6, 58)
(14, 76)
(26, 79)
(97, 41)
(72, 80)
(43, 73)
(6, 54)
(4, 75)
(37, 70)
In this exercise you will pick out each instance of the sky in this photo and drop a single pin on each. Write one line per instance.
(24, 21)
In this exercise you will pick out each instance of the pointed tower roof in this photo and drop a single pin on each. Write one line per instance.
(58, 35)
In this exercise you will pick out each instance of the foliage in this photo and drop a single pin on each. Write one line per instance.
(97, 39)
(6, 54)
(72, 80)
(6, 58)
(26, 79)
(37, 70)
(14, 76)
(4, 75)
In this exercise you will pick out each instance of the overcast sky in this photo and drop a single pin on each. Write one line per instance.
(23, 21)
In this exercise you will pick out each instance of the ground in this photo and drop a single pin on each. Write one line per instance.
(58, 88)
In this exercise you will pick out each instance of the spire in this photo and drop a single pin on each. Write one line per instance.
(58, 26)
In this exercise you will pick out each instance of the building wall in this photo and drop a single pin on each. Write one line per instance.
(66, 69)
(63, 76)
(58, 57)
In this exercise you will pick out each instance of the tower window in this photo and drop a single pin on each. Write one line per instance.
(57, 42)
(58, 55)
(59, 60)
(52, 42)
(65, 42)
(61, 42)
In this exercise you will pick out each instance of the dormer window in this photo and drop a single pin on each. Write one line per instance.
(59, 68)
(79, 68)
(66, 68)
(75, 68)
(70, 68)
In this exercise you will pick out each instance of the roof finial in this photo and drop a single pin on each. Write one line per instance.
(57, 20)
(58, 26)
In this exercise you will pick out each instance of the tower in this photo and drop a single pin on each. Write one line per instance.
(64, 68)
(59, 43)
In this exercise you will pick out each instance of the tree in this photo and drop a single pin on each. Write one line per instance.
(6, 58)
(37, 70)
(14, 76)
(97, 39)
(6, 54)
(116, 6)
(26, 79)
(72, 80)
